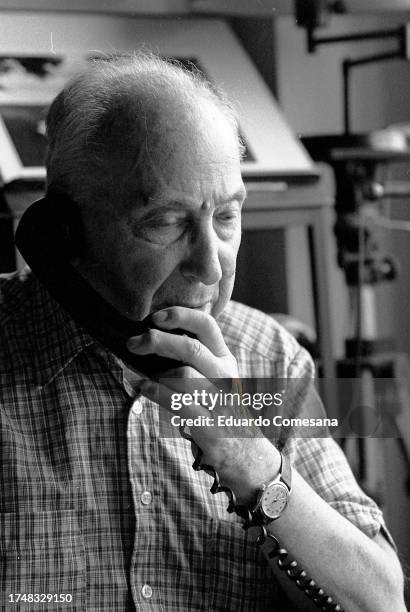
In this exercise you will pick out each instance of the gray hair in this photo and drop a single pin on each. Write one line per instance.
(107, 126)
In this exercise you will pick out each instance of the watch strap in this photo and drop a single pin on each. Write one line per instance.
(285, 471)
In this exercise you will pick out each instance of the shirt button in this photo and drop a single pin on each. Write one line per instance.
(146, 591)
(137, 407)
(146, 498)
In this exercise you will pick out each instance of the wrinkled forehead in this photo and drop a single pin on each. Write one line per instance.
(194, 182)
(188, 153)
(190, 185)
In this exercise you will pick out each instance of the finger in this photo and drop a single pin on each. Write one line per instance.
(199, 323)
(183, 372)
(182, 348)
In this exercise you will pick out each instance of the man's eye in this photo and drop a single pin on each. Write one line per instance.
(228, 216)
(161, 230)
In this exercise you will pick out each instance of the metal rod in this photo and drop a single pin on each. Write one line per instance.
(346, 97)
(359, 36)
(360, 61)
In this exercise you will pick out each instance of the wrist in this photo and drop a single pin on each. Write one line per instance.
(262, 465)
(273, 496)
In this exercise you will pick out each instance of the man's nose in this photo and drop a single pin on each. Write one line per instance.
(201, 262)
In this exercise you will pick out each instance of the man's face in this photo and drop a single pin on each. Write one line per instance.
(180, 247)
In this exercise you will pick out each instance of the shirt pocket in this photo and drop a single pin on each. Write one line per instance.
(240, 578)
(42, 556)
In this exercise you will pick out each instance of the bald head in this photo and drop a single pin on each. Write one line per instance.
(115, 128)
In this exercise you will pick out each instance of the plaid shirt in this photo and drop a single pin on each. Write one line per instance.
(94, 504)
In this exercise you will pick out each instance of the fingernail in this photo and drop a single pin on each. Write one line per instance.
(135, 342)
(159, 317)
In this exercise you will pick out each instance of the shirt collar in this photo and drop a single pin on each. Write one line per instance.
(57, 338)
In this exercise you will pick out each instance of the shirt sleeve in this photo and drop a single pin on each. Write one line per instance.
(324, 466)
(322, 463)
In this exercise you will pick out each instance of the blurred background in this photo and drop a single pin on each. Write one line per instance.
(323, 95)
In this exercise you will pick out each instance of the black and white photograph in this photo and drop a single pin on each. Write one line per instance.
(204, 320)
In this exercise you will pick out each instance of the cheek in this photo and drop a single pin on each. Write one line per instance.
(150, 267)
(227, 258)
(228, 264)
(144, 275)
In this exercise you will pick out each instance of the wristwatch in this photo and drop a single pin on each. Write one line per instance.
(273, 497)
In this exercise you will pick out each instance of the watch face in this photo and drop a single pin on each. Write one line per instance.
(274, 500)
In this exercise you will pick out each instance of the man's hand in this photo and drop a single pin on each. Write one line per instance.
(242, 463)
(208, 355)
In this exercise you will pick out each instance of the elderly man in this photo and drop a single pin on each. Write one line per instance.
(98, 511)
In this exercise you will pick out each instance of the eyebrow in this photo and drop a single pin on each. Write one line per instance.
(239, 195)
(179, 205)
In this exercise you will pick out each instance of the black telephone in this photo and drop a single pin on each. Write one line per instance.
(48, 235)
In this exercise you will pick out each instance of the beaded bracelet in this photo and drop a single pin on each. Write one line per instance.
(290, 567)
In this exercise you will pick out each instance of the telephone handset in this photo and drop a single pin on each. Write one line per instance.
(48, 235)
